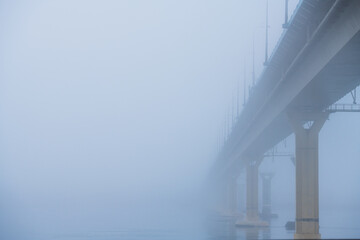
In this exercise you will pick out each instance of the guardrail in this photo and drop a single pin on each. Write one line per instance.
(343, 108)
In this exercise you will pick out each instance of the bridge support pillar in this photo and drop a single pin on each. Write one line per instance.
(266, 196)
(252, 188)
(228, 198)
(307, 179)
(241, 198)
(252, 200)
(224, 210)
(231, 196)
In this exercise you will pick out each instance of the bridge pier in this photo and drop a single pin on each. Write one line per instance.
(222, 199)
(252, 198)
(252, 201)
(232, 197)
(266, 212)
(307, 174)
(224, 209)
(227, 202)
(241, 197)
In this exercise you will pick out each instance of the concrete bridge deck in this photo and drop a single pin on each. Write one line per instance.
(315, 63)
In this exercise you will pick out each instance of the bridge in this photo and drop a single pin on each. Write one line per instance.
(314, 64)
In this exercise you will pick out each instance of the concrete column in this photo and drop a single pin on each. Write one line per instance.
(266, 195)
(232, 197)
(221, 195)
(228, 197)
(252, 176)
(225, 199)
(307, 179)
(252, 201)
(241, 197)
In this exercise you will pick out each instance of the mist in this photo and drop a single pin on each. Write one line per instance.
(113, 112)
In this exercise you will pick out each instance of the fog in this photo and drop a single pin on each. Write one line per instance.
(112, 111)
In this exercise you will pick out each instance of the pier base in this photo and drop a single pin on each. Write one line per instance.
(251, 223)
(306, 236)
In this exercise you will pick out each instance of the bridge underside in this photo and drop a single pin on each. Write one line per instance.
(339, 77)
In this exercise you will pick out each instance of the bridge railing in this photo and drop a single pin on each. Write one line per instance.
(343, 108)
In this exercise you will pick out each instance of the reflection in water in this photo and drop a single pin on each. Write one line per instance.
(223, 228)
(215, 228)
